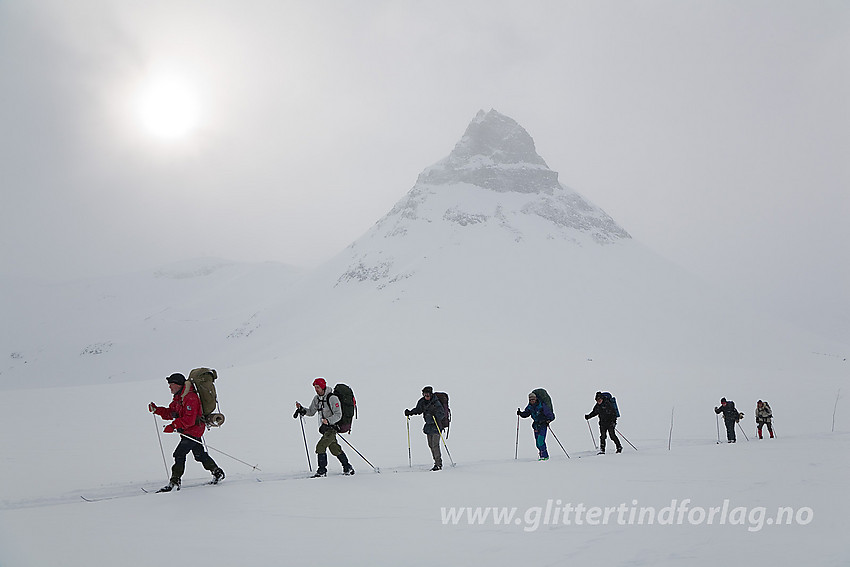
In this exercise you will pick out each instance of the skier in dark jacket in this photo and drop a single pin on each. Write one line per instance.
(185, 410)
(730, 417)
(604, 408)
(433, 412)
(540, 414)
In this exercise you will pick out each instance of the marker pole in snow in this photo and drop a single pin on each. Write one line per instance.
(670, 439)
(516, 448)
(559, 441)
(161, 450)
(444, 440)
(409, 454)
(306, 449)
(718, 427)
(624, 437)
(592, 438)
(376, 469)
(835, 408)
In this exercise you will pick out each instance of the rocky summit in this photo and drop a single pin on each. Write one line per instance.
(494, 153)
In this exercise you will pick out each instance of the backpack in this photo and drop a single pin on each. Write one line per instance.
(447, 419)
(613, 400)
(203, 380)
(349, 407)
(543, 396)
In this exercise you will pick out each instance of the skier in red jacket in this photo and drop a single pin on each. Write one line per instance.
(185, 410)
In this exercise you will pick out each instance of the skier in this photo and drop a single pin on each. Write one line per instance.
(607, 422)
(730, 417)
(185, 410)
(330, 412)
(764, 416)
(541, 414)
(433, 412)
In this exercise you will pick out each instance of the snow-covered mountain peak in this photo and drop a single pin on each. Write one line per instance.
(494, 153)
(492, 197)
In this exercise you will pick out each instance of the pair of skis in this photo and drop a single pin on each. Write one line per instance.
(144, 491)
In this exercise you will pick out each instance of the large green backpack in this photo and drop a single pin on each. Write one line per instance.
(203, 379)
(349, 406)
(543, 396)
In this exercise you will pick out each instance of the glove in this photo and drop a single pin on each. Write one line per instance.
(169, 428)
(407, 412)
(587, 416)
(151, 407)
(715, 410)
(519, 412)
(297, 413)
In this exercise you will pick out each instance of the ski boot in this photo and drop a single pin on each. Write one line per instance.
(323, 466)
(218, 476)
(347, 469)
(173, 484)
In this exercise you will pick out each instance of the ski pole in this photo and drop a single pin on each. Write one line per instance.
(409, 455)
(376, 469)
(592, 438)
(444, 441)
(559, 441)
(161, 450)
(742, 431)
(516, 449)
(306, 449)
(254, 467)
(624, 437)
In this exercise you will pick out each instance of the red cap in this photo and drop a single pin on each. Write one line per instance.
(320, 382)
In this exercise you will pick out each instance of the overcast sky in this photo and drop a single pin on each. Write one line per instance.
(717, 133)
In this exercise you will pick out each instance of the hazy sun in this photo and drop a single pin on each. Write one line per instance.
(168, 107)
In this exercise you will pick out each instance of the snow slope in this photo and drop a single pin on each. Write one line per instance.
(488, 279)
(396, 517)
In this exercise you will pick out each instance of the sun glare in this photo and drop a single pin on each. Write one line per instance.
(168, 108)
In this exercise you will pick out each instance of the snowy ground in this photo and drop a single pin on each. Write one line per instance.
(64, 443)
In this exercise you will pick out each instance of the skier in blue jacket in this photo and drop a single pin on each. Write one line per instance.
(540, 414)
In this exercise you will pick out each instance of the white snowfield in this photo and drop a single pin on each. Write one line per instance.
(488, 279)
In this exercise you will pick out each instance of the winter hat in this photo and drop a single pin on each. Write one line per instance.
(597, 396)
(176, 378)
(532, 396)
(320, 382)
(428, 390)
(722, 400)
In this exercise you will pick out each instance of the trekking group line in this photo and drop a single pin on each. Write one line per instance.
(733, 417)
(194, 404)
